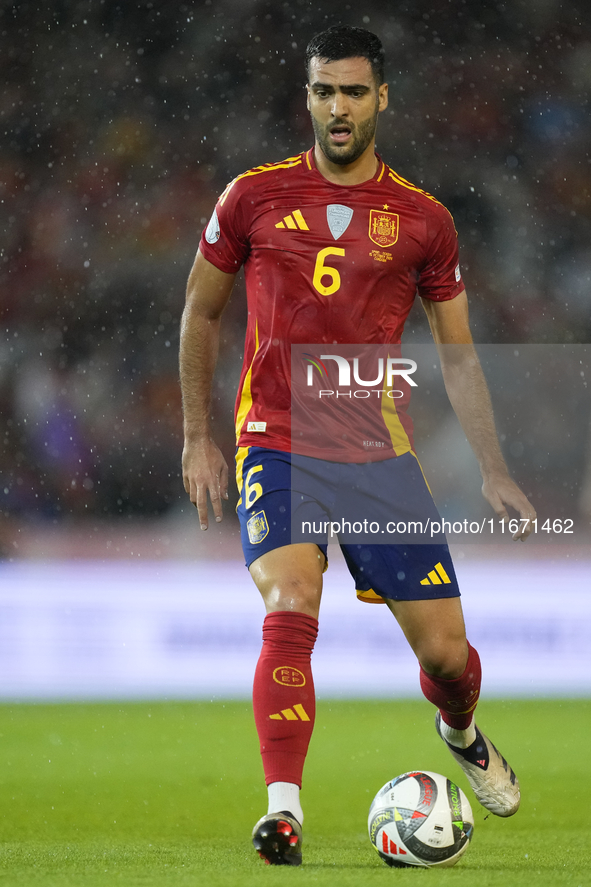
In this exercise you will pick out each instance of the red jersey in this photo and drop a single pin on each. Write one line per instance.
(328, 265)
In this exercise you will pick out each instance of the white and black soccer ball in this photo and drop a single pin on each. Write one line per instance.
(420, 819)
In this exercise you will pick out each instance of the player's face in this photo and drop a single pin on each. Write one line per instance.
(344, 102)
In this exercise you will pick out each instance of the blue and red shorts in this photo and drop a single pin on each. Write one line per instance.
(288, 499)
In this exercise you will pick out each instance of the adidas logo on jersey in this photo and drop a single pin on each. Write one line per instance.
(293, 220)
(437, 576)
(297, 713)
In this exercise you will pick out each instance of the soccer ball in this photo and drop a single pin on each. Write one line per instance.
(420, 819)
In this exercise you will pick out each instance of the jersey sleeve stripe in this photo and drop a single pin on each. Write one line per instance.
(268, 167)
(400, 181)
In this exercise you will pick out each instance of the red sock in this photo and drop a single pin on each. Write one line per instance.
(283, 694)
(456, 699)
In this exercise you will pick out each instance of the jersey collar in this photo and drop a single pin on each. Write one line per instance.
(308, 157)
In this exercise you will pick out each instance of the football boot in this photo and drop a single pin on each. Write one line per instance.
(492, 780)
(277, 838)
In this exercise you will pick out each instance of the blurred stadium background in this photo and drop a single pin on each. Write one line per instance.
(121, 124)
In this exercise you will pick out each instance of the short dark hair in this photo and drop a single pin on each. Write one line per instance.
(345, 42)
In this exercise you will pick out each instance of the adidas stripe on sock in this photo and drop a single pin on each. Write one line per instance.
(283, 696)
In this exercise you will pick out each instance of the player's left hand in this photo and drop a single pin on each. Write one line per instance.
(499, 491)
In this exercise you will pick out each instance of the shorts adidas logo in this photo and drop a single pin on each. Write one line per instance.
(293, 220)
(437, 576)
(297, 713)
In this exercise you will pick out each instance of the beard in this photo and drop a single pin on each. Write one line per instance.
(361, 136)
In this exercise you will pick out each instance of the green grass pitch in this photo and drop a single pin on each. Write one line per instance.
(167, 794)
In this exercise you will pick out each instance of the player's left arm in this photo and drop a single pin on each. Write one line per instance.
(469, 396)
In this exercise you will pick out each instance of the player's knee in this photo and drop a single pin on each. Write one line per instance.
(292, 593)
(290, 578)
(444, 658)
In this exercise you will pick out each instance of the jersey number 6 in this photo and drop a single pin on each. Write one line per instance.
(322, 271)
(252, 491)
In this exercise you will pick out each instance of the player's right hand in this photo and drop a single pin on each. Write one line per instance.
(500, 490)
(205, 471)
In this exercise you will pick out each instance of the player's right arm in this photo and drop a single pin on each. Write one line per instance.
(205, 470)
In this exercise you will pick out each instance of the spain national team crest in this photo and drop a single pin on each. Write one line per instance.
(257, 527)
(383, 227)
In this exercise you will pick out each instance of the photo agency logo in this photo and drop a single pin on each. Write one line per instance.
(386, 369)
(349, 399)
(314, 363)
